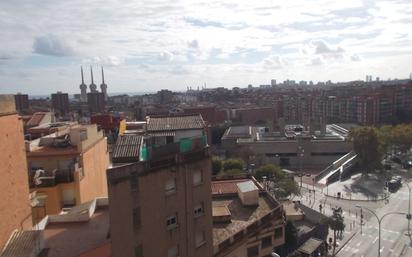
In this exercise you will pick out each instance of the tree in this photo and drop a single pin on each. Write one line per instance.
(231, 164)
(336, 223)
(291, 234)
(232, 172)
(402, 136)
(385, 137)
(270, 171)
(368, 148)
(288, 186)
(216, 165)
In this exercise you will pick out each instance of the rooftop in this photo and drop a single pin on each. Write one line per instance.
(221, 187)
(36, 119)
(241, 216)
(74, 238)
(82, 229)
(310, 246)
(127, 146)
(226, 202)
(181, 122)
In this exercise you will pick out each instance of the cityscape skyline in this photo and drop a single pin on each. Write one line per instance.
(157, 44)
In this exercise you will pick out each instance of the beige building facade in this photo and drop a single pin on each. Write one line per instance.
(67, 168)
(15, 209)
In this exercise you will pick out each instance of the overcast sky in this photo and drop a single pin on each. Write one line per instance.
(150, 45)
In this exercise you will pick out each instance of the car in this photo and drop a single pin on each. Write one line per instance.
(394, 184)
(396, 159)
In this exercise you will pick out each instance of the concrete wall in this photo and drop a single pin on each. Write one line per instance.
(94, 163)
(155, 206)
(256, 239)
(316, 154)
(187, 134)
(15, 210)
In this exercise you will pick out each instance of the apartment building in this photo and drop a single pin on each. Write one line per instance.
(67, 168)
(161, 205)
(60, 103)
(22, 102)
(15, 209)
(247, 221)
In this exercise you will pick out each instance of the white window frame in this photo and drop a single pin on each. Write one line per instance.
(170, 186)
(173, 251)
(197, 181)
(171, 222)
(200, 239)
(199, 210)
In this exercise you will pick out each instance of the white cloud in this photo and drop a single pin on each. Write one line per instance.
(310, 35)
(165, 56)
(52, 45)
(273, 63)
(355, 58)
(193, 44)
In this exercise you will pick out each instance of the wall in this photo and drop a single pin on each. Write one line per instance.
(54, 201)
(187, 134)
(155, 206)
(15, 210)
(94, 163)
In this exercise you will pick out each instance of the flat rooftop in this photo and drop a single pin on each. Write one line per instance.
(227, 202)
(74, 238)
(241, 216)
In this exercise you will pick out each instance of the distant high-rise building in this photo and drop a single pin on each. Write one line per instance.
(60, 103)
(93, 87)
(15, 210)
(273, 82)
(22, 102)
(83, 89)
(103, 86)
(96, 102)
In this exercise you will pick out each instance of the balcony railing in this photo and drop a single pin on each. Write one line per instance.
(185, 145)
(53, 178)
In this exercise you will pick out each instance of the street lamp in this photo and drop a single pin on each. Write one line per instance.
(379, 223)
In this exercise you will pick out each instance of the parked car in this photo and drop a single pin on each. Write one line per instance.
(394, 184)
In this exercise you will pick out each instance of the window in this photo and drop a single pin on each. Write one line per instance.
(134, 182)
(198, 210)
(253, 251)
(170, 186)
(171, 222)
(200, 238)
(138, 251)
(173, 252)
(266, 241)
(197, 177)
(278, 232)
(137, 222)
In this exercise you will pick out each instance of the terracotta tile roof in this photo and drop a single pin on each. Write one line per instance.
(36, 119)
(167, 123)
(127, 146)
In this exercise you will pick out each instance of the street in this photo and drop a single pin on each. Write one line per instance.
(394, 242)
(394, 226)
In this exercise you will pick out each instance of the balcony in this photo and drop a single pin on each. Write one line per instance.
(52, 178)
(184, 147)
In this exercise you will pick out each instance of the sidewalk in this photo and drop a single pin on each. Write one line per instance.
(351, 218)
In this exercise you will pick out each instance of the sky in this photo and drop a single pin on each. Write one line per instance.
(152, 45)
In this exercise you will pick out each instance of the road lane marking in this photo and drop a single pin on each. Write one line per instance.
(374, 241)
